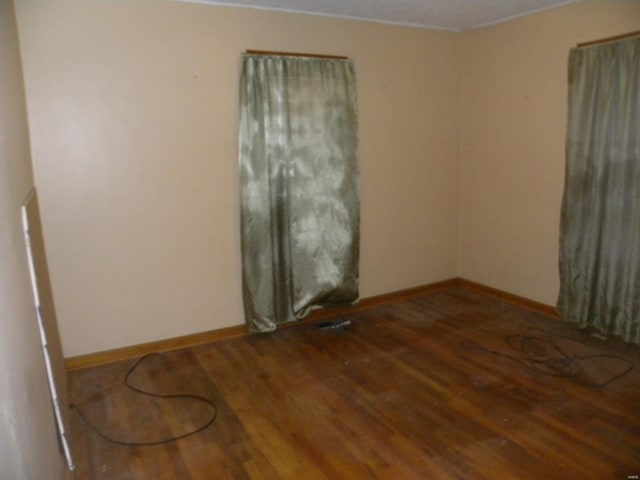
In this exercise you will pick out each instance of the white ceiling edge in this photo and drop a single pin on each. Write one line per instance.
(228, 3)
(328, 15)
(520, 15)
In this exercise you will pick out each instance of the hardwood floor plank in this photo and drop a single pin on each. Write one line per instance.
(451, 384)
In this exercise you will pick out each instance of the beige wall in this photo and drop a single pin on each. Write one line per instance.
(512, 142)
(133, 113)
(28, 443)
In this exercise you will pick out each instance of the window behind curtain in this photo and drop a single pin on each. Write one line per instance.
(299, 175)
(600, 224)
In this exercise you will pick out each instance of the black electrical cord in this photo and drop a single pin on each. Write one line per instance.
(545, 356)
(155, 395)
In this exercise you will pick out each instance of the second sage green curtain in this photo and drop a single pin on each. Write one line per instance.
(600, 223)
(299, 174)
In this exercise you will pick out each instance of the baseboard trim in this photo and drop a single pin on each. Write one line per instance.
(504, 296)
(175, 343)
(211, 336)
(186, 341)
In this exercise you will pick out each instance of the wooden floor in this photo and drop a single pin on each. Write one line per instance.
(420, 389)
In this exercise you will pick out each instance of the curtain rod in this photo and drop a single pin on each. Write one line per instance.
(609, 39)
(294, 54)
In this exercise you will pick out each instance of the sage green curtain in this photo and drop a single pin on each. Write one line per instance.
(299, 175)
(600, 221)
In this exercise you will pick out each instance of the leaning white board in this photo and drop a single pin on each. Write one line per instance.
(47, 322)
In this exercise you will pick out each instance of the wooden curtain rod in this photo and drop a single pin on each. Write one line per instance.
(293, 54)
(609, 39)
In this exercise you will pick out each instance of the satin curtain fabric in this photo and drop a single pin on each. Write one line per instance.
(600, 222)
(299, 174)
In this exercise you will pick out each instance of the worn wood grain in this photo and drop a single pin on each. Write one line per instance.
(408, 391)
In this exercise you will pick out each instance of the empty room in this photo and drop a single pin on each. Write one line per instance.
(289, 239)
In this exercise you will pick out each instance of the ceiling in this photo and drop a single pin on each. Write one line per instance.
(454, 15)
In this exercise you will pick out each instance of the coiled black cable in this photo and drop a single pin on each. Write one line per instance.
(545, 356)
(155, 395)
